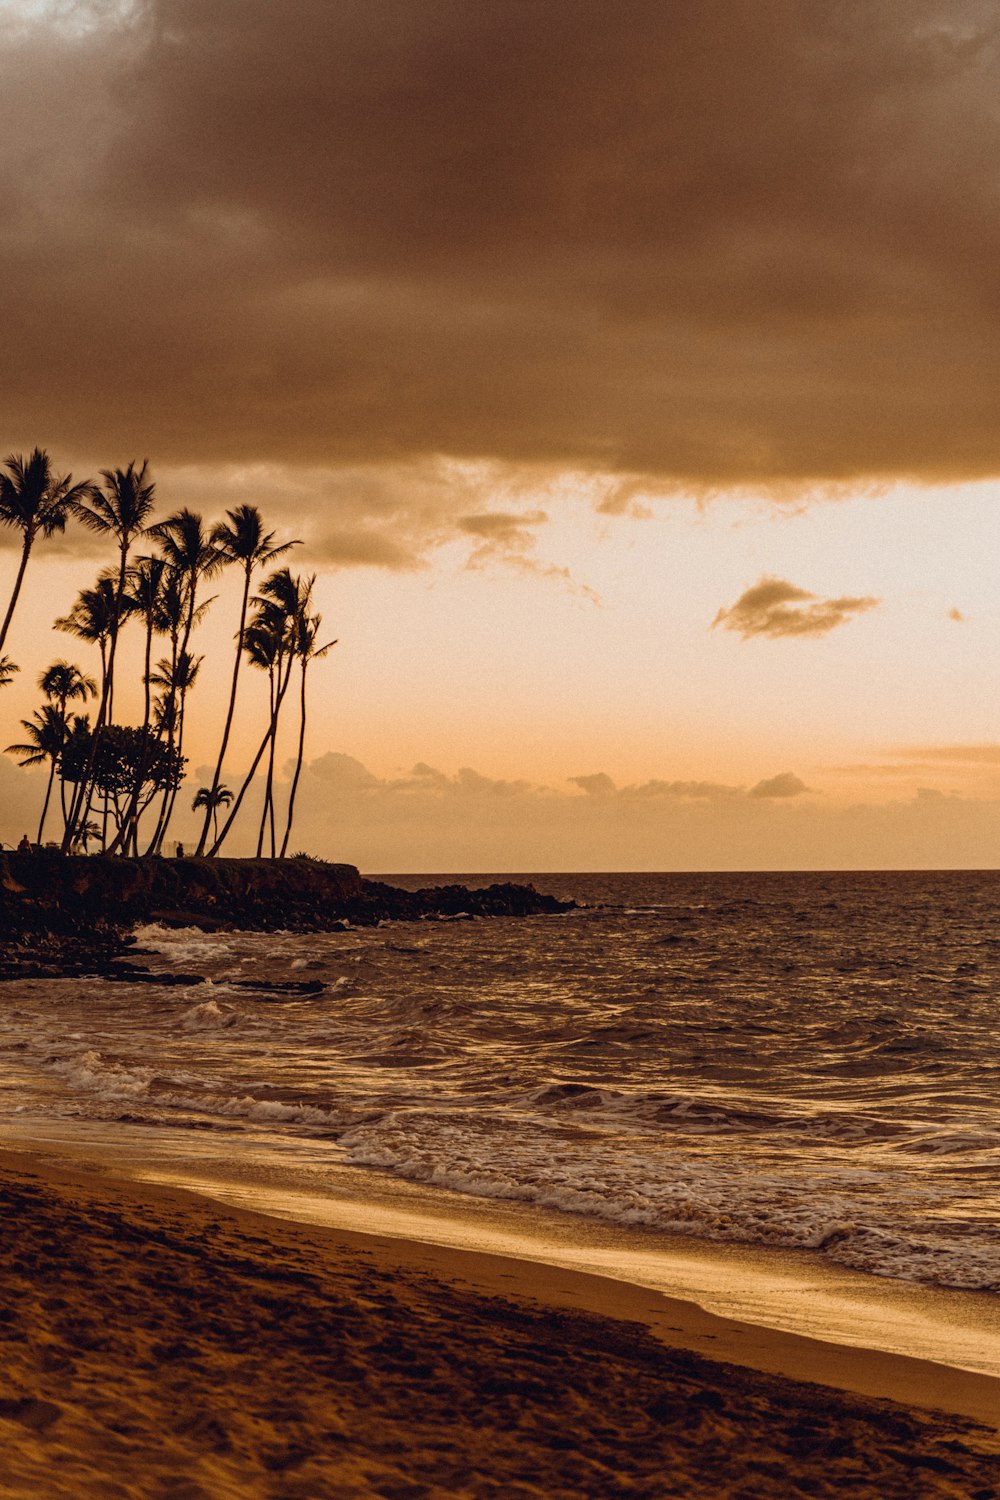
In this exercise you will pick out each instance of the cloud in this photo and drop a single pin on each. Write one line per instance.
(956, 615)
(597, 785)
(500, 529)
(773, 607)
(601, 785)
(785, 785)
(986, 755)
(740, 243)
(426, 819)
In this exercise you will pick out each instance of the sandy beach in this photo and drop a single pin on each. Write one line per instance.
(163, 1346)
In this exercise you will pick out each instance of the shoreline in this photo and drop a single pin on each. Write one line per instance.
(234, 1348)
(679, 1322)
(820, 1313)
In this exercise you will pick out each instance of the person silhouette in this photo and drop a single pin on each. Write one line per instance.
(24, 847)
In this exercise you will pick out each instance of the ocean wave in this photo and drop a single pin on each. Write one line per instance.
(676, 1195)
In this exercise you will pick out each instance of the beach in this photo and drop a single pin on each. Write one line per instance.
(159, 1344)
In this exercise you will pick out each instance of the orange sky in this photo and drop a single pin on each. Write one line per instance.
(629, 373)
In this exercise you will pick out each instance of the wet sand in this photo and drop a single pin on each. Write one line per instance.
(159, 1346)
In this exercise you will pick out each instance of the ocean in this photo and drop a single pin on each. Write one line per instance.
(805, 1062)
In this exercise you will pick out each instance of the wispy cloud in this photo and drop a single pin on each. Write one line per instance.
(773, 608)
(982, 755)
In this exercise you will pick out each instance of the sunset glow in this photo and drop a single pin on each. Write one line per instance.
(572, 352)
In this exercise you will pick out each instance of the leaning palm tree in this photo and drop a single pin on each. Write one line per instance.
(305, 632)
(267, 646)
(243, 542)
(212, 798)
(282, 602)
(36, 503)
(46, 734)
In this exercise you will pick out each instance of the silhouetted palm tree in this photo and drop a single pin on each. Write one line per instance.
(92, 619)
(242, 541)
(305, 630)
(267, 643)
(63, 683)
(191, 556)
(145, 583)
(175, 679)
(279, 606)
(35, 503)
(46, 731)
(95, 617)
(212, 798)
(119, 508)
(7, 670)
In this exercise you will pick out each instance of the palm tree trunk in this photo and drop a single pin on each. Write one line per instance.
(298, 762)
(268, 779)
(79, 810)
(85, 791)
(271, 730)
(45, 804)
(175, 655)
(172, 793)
(25, 550)
(217, 774)
(128, 831)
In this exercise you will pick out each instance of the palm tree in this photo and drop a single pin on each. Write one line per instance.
(46, 731)
(281, 603)
(305, 631)
(267, 643)
(175, 679)
(191, 556)
(95, 617)
(242, 541)
(146, 583)
(92, 619)
(63, 683)
(7, 670)
(212, 798)
(36, 503)
(121, 509)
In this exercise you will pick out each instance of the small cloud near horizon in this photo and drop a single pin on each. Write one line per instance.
(956, 614)
(774, 608)
(600, 785)
(785, 785)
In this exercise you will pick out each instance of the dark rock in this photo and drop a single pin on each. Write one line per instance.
(74, 915)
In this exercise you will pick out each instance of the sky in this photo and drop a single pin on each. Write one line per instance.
(628, 374)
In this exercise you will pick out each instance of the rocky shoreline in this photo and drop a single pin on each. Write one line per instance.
(75, 916)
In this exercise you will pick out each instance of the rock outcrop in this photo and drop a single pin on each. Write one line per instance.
(72, 915)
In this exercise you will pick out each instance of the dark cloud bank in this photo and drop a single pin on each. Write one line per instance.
(714, 243)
